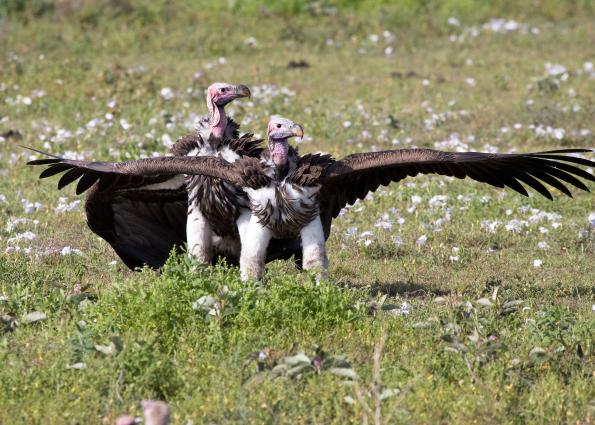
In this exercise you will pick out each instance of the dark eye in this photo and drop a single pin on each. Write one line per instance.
(222, 90)
(278, 125)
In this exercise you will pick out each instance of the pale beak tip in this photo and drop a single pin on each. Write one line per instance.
(298, 131)
(244, 91)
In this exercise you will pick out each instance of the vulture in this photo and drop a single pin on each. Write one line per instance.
(296, 197)
(143, 218)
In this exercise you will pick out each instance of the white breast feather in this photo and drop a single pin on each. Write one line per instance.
(304, 194)
(262, 196)
(228, 155)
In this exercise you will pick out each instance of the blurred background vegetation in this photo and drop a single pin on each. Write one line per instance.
(424, 15)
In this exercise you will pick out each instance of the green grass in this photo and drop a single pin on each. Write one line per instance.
(521, 354)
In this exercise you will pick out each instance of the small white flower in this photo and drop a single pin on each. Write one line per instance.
(425, 82)
(64, 206)
(384, 224)
(374, 38)
(416, 199)
(251, 42)
(30, 207)
(406, 308)
(592, 219)
(93, 123)
(67, 250)
(166, 140)
(352, 231)
(421, 240)
(124, 124)
(167, 93)
(453, 21)
(438, 200)
(346, 124)
(366, 134)
(397, 241)
(453, 258)
(543, 245)
(111, 104)
(558, 133)
(555, 69)
(26, 235)
(470, 82)
(537, 263)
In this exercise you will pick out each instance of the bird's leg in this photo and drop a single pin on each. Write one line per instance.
(255, 240)
(242, 222)
(199, 235)
(314, 249)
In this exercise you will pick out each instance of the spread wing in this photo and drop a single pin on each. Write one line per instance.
(110, 175)
(353, 177)
(143, 224)
(140, 207)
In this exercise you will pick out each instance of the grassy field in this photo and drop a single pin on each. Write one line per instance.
(448, 301)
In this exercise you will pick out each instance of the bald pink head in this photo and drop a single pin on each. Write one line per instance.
(279, 130)
(219, 95)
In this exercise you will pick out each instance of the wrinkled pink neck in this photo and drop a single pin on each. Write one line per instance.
(279, 150)
(218, 122)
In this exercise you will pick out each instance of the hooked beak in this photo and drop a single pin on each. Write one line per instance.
(297, 130)
(242, 91)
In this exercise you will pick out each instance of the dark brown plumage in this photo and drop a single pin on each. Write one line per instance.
(143, 216)
(365, 172)
(219, 201)
(344, 181)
